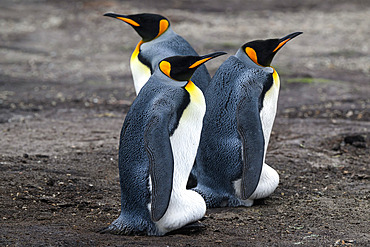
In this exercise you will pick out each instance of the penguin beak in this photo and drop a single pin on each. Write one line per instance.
(285, 39)
(205, 58)
(124, 18)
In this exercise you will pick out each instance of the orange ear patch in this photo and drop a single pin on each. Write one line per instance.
(165, 67)
(129, 21)
(163, 25)
(251, 54)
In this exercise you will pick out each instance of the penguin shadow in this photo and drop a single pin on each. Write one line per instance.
(198, 227)
(189, 229)
(194, 228)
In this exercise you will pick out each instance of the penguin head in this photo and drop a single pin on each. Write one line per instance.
(181, 68)
(148, 26)
(261, 52)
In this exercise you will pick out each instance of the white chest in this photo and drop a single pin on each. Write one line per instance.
(185, 141)
(185, 206)
(140, 72)
(268, 111)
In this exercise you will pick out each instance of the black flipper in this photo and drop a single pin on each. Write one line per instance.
(250, 130)
(161, 167)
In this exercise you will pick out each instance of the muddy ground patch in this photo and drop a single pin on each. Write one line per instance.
(65, 87)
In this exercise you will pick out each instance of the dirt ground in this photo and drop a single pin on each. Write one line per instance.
(65, 87)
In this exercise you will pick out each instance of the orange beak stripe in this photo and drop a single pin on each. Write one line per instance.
(129, 21)
(197, 63)
(280, 45)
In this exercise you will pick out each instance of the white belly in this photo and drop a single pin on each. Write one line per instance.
(185, 142)
(185, 206)
(268, 114)
(269, 178)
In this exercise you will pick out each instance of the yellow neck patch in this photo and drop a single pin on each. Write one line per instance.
(276, 78)
(129, 21)
(195, 93)
(135, 53)
(165, 67)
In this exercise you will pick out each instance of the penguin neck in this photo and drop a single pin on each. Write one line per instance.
(249, 63)
(141, 71)
(276, 78)
(164, 36)
(164, 79)
(160, 38)
(196, 94)
(135, 53)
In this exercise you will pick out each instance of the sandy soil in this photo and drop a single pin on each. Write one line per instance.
(65, 87)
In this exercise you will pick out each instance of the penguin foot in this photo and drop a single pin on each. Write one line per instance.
(113, 229)
(217, 199)
(244, 203)
(110, 229)
(260, 202)
(189, 229)
(129, 227)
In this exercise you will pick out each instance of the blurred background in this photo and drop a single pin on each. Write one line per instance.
(70, 42)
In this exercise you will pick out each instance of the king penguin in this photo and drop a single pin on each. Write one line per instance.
(241, 107)
(158, 42)
(158, 145)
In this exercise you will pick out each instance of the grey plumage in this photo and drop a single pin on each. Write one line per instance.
(155, 156)
(241, 106)
(172, 44)
(158, 42)
(234, 88)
